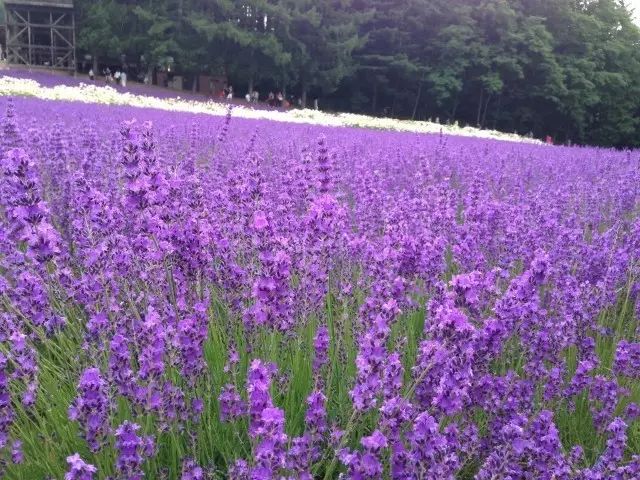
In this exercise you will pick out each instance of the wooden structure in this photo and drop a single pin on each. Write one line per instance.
(211, 85)
(41, 33)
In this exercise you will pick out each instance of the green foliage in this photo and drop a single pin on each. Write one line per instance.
(101, 28)
(550, 67)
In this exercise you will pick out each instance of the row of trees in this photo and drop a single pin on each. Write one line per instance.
(566, 68)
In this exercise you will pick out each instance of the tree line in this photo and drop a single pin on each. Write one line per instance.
(565, 68)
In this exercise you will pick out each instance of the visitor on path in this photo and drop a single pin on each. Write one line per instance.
(280, 99)
(248, 97)
(255, 96)
(271, 100)
(117, 76)
(230, 93)
(107, 75)
(92, 75)
(123, 78)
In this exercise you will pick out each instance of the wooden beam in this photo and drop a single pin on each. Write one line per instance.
(16, 36)
(42, 25)
(51, 32)
(60, 60)
(35, 5)
(73, 39)
(11, 51)
(54, 30)
(59, 19)
(24, 21)
(30, 37)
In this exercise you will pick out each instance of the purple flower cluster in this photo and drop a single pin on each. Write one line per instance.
(132, 450)
(78, 469)
(627, 359)
(91, 408)
(6, 410)
(321, 303)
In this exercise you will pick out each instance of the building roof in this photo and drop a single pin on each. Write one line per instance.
(42, 3)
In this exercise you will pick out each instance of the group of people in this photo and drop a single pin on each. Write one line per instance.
(118, 77)
(252, 96)
(273, 100)
(277, 100)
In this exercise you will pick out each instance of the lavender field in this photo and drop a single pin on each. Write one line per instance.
(194, 297)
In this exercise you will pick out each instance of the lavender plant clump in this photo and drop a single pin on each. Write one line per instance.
(190, 297)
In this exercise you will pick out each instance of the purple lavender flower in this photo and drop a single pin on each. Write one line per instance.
(321, 348)
(231, 404)
(367, 464)
(10, 132)
(78, 469)
(120, 369)
(7, 414)
(191, 470)
(258, 384)
(17, 456)
(270, 452)
(192, 333)
(133, 450)
(627, 359)
(25, 359)
(271, 290)
(26, 210)
(91, 408)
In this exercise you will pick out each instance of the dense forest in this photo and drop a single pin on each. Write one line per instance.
(565, 68)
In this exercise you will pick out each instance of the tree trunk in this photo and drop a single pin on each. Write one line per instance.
(303, 95)
(454, 110)
(480, 105)
(250, 83)
(95, 64)
(415, 105)
(484, 114)
(180, 14)
(498, 112)
(374, 103)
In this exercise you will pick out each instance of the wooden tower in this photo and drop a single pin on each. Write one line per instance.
(41, 33)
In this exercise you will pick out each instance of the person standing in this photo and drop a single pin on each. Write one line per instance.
(123, 78)
(92, 76)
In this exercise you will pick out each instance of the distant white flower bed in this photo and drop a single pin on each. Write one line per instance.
(107, 95)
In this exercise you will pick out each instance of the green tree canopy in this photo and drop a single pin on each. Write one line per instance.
(566, 68)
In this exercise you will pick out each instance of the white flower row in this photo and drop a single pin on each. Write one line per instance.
(110, 96)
